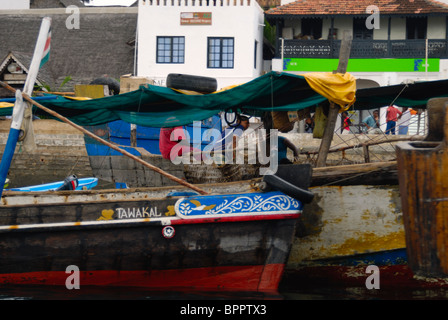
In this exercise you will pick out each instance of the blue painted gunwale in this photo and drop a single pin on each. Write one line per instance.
(88, 183)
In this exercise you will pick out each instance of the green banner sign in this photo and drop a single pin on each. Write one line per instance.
(361, 65)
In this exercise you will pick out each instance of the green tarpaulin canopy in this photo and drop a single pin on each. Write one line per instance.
(155, 106)
(412, 95)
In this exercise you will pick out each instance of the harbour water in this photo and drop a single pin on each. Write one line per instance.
(288, 291)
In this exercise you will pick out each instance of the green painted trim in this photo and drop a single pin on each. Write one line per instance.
(361, 65)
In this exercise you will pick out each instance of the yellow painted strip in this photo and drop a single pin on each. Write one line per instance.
(369, 242)
(93, 91)
(6, 105)
(77, 98)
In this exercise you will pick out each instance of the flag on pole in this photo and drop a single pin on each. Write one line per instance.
(46, 53)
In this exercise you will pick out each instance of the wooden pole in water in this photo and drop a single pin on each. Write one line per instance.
(110, 145)
(423, 180)
(344, 55)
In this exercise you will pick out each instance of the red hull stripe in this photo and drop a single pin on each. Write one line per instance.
(237, 218)
(243, 278)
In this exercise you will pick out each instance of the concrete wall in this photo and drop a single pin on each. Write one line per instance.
(60, 152)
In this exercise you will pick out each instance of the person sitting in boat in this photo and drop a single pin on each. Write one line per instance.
(231, 134)
(371, 122)
(170, 137)
(283, 145)
(309, 124)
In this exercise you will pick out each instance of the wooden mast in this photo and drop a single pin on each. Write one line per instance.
(29, 144)
(21, 110)
(344, 55)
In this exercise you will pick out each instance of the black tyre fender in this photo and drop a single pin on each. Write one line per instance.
(264, 187)
(192, 83)
(291, 190)
(114, 85)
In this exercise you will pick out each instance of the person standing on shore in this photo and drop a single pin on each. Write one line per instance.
(371, 122)
(391, 119)
(403, 121)
(346, 123)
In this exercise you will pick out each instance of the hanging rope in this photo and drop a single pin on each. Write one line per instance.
(399, 94)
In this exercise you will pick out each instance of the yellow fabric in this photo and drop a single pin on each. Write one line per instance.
(6, 105)
(336, 87)
(78, 98)
(189, 92)
(227, 88)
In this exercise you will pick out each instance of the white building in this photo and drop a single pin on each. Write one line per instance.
(222, 39)
(394, 41)
(14, 5)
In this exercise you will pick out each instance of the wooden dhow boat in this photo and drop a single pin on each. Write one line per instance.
(295, 93)
(195, 240)
(410, 257)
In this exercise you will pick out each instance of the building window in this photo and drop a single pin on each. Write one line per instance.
(220, 53)
(360, 30)
(416, 28)
(170, 49)
(311, 27)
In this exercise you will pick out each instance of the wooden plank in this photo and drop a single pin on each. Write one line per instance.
(373, 173)
(370, 143)
(366, 219)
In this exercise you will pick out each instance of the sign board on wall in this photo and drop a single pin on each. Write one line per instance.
(195, 18)
(361, 65)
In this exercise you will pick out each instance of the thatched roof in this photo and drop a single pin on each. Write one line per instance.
(99, 47)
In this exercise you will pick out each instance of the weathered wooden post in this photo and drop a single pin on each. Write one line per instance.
(130, 83)
(42, 46)
(365, 149)
(423, 179)
(327, 138)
